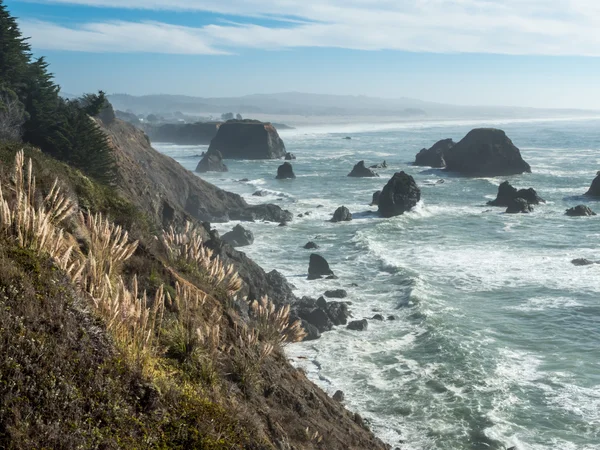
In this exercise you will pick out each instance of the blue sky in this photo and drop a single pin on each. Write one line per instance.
(475, 52)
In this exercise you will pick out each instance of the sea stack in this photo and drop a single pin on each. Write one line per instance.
(434, 156)
(360, 170)
(248, 139)
(485, 152)
(399, 195)
(211, 162)
(594, 190)
(285, 171)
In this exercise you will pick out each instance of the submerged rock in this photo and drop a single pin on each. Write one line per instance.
(360, 170)
(248, 139)
(519, 206)
(336, 293)
(342, 214)
(318, 267)
(310, 245)
(580, 211)
(507, 193)
(239, 237)
(285, 171)
(378, 317)
(485, 152)
(582, 262)
(399, 195)
(211, 162)
(434, 156)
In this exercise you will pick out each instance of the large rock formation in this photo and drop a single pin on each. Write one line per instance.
(594, 190)
(485, 152)
(399, 195)
(248, 139)
(212, 161)
(434, 156)
(285, 171)
(580, 211)
(360, 170)
(159, 184)
(507, 193)
(200, 133)
(318, 267)
(342, 214)
(375, 199)
(239, 237)
(519, 206)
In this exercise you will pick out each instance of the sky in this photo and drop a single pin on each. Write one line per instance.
(537, 53)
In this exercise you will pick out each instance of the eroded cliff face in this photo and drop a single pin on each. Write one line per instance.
(248, 139)
(160, 185)
(200, 133)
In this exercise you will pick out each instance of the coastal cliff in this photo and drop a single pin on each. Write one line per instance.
(200, 133)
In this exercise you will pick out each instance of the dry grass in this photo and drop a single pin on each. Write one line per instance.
(274, 323)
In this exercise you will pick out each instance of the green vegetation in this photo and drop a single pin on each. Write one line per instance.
(31, 109)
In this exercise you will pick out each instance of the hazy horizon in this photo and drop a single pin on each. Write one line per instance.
(472, 53)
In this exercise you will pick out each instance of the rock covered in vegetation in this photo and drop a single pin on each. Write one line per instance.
(342, 214)
(239, 237)
(248, 139)
(580, 211)
(399, 195)
(434, 156)
(485, 152)
(594, 190)
(211, 162)
(360, 170)
(318, 267)
(285, 171)
(507, 193)
(519, 206)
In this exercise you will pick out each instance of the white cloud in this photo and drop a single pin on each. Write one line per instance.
(561, 27)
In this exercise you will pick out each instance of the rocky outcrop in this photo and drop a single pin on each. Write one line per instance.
(434, 156)
(358, 325)
(239, 237)
(519, 206)
(342, 214)
(360, 170)
(310, 245)
(594, 190)
(290, 156)
(507, 193)
(321, 314)
(580, 211)
(336, 293)
(486, 152)
(318, 267)
(248, 139)
(399, 195)
(375, 199)
(200, 133)
(285, 171)
(383, 165)
(211, 162)
(166, 191)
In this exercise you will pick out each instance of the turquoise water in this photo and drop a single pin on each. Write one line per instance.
(497, 341)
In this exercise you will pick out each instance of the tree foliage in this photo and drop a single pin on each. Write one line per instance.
(32, 109)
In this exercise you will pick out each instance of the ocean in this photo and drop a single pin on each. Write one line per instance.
(497, 337)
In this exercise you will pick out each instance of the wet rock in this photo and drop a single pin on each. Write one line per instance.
(319, 318)
(312, 333)
(507, 193)
(378, 317)
(318, 267)
(434, 156)
(310, 245)
(360, 170)
(339, 396)
(260, 193)
(239, 237)
(375, 200)
(358, 325)
(485, 152)
(392, 317)
(594, 190)
(337, 312)
(519, 206)
(336, 293)
(582, 262)
(285, 171)
(399, 195)
(580, 211)
(347, 138)
(211, 162)
(289, 156)
(342, 214)
(383, 165)
(283, 223)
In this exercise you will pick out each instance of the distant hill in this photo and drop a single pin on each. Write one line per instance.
(304, 104)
